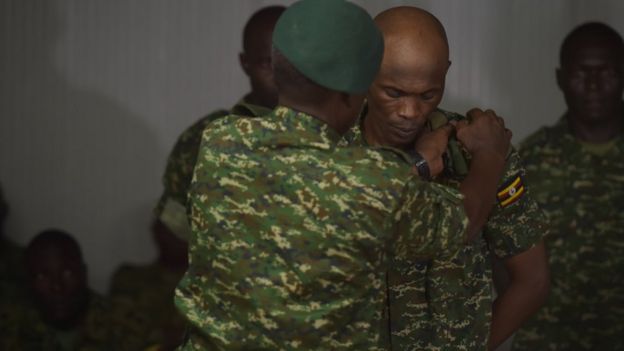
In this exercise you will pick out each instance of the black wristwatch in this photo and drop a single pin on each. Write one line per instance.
(421, 166)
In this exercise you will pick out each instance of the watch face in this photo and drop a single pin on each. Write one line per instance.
(420, 162)
(421, 165)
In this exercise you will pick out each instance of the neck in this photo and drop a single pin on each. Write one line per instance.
(596, 132)
(370, 133)
(254, 99)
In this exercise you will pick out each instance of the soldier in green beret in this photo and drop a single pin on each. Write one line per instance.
(59, 312)
(446, 302)
(576, 170)
(256, 63)
(295, 253)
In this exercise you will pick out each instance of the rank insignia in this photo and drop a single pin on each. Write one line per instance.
(511, 191)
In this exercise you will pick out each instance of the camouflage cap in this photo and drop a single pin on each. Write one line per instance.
(334, 43)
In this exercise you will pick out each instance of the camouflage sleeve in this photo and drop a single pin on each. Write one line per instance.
(430, 221)
(181, 161)
(516, 223)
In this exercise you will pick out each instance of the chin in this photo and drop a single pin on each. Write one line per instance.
(593, 115)
(401, 144)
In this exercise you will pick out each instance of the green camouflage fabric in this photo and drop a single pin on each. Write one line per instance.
(142, 300)
(445, 303)
(179, 169)
(294, 256)
(22, 329)
(581, 189)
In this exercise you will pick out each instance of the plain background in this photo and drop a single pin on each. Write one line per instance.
(94, 93)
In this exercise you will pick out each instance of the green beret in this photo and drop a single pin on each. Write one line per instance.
(334, 43)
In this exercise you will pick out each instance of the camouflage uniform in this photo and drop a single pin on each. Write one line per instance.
(581, 189)
(182, 158)
(294, 255)
(142, 299)
(445, 303)
(22, 329)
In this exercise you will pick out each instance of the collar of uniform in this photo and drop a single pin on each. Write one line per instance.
(563, 135)
(244, 108)
(355, 135)
(308, 129)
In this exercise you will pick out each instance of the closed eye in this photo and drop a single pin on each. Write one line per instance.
(394, 93)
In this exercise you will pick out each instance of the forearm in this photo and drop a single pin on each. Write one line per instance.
(527, 291)
(512, 309)
(479, 190)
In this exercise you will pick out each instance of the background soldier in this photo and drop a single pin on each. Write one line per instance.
(256, 62)
(60, 312)
(576, 170)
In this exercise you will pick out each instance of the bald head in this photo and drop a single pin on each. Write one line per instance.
(413, 37)
(410, 83)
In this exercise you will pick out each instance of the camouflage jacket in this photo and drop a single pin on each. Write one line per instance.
(294, 255)
(142, 306)
(22, 329)
(581, 189)
(445, 303)
(181, 161)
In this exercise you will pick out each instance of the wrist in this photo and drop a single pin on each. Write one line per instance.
(489, 155)
(420, 165)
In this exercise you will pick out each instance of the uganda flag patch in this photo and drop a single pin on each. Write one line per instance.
(511, 191)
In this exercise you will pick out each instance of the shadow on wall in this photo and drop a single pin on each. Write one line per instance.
(69, 157)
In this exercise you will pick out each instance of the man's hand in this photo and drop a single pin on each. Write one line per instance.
(431, 145)
(488, 142)
(484, 132)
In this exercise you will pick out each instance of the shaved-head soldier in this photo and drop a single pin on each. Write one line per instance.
(446, 302)
(576, 168)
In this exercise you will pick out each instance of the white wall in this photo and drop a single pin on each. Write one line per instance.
(94, 93)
